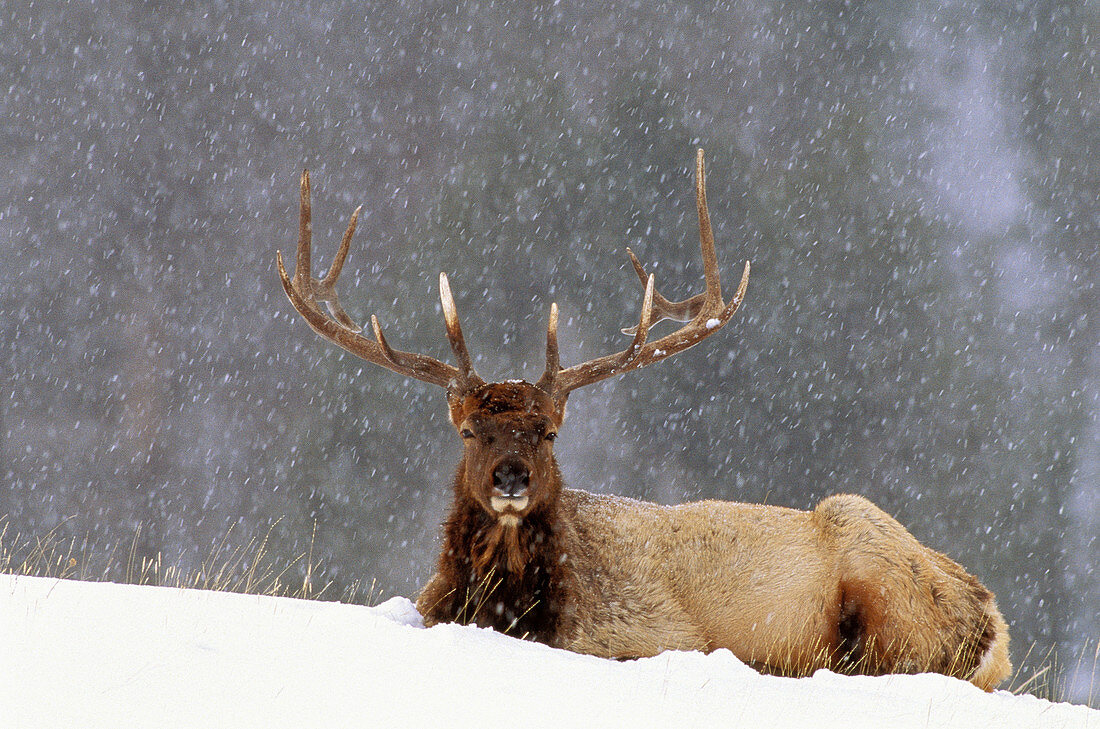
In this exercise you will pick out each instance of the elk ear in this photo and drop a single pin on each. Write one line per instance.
(454, 406)
(559, 406)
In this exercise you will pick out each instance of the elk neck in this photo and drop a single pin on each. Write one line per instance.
(510, 575)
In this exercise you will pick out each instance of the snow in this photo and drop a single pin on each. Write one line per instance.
(104, 655)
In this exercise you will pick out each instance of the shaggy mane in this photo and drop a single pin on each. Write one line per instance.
(509, 578)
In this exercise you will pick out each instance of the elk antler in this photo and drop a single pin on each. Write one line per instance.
(705, 313)
(305, 292)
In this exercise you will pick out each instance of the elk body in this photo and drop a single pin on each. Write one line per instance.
(844, 586)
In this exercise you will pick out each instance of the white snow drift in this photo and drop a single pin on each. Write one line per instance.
(76, 654)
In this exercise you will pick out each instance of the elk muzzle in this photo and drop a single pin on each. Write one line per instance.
(511, 479)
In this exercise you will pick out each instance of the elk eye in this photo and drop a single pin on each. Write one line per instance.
(467, 433)
(552, 435)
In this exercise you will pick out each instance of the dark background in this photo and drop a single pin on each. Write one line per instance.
(915, 184)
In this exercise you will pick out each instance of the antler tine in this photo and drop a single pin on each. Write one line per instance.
(553, 360)
(688, 309)
(305, 292)
(685, 310)
(342, 253)
(706, 234)
(454, 330)
(387, 351)
(302, 266)
(704, 313)
(641, 331)
(325, 289)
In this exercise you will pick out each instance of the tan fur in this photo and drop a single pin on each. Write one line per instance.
(766, 583)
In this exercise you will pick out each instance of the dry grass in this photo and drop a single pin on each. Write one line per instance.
(1051, 679)
(245, 568)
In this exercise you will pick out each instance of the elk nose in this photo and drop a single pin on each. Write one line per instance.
(511, 477)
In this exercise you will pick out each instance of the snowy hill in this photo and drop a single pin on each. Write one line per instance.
(77, 654)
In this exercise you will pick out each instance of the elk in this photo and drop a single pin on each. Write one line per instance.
(843, 587)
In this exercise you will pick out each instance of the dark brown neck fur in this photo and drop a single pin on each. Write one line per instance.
(509, 578)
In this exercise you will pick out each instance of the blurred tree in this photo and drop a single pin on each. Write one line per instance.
(1056, 83)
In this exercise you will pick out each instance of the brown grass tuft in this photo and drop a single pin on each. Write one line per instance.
(247, 568)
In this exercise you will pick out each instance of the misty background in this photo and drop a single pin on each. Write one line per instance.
(915, 183)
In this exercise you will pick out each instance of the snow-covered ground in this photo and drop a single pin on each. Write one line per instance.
(78, 654)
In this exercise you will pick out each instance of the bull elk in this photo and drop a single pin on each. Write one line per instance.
(843, 587)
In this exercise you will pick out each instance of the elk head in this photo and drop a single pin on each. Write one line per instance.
(508, 428)
(508, 431)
